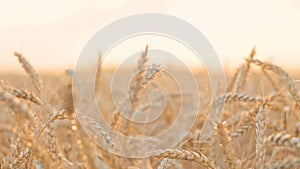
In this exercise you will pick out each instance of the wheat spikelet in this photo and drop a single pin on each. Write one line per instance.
(226, 144)
(286, 163)
(37, 81)
(164, 164)
(260, 136)
(186, 155)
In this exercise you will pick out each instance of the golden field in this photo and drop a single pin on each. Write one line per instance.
(259, 125)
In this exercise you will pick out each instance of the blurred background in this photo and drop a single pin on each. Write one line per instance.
(51, 34)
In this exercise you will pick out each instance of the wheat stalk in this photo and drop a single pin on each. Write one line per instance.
(226, 144)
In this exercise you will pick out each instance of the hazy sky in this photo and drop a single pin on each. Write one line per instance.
(51, 34)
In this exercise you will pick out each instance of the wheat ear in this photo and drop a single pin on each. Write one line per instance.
(248, 122)
(186, 155)
(284, 77)
(26, 95)
(37, 81)
(233, 97)
(21, 109)
(137, 83)
(285, 140)
(286, 163)
(21, 158)
(260, 136)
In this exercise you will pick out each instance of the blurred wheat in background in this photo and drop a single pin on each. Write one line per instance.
(259, 126)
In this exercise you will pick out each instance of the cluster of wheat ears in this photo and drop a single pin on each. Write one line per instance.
(39, 128)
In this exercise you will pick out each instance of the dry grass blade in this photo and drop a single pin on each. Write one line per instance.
(37, 81)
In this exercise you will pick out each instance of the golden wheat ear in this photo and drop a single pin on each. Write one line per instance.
(37, 81)
(188, 155)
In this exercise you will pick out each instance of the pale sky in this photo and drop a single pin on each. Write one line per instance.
(51, 34)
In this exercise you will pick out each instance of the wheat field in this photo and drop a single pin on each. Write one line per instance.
(259, 125)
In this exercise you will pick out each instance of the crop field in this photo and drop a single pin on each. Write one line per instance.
(258, 124)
